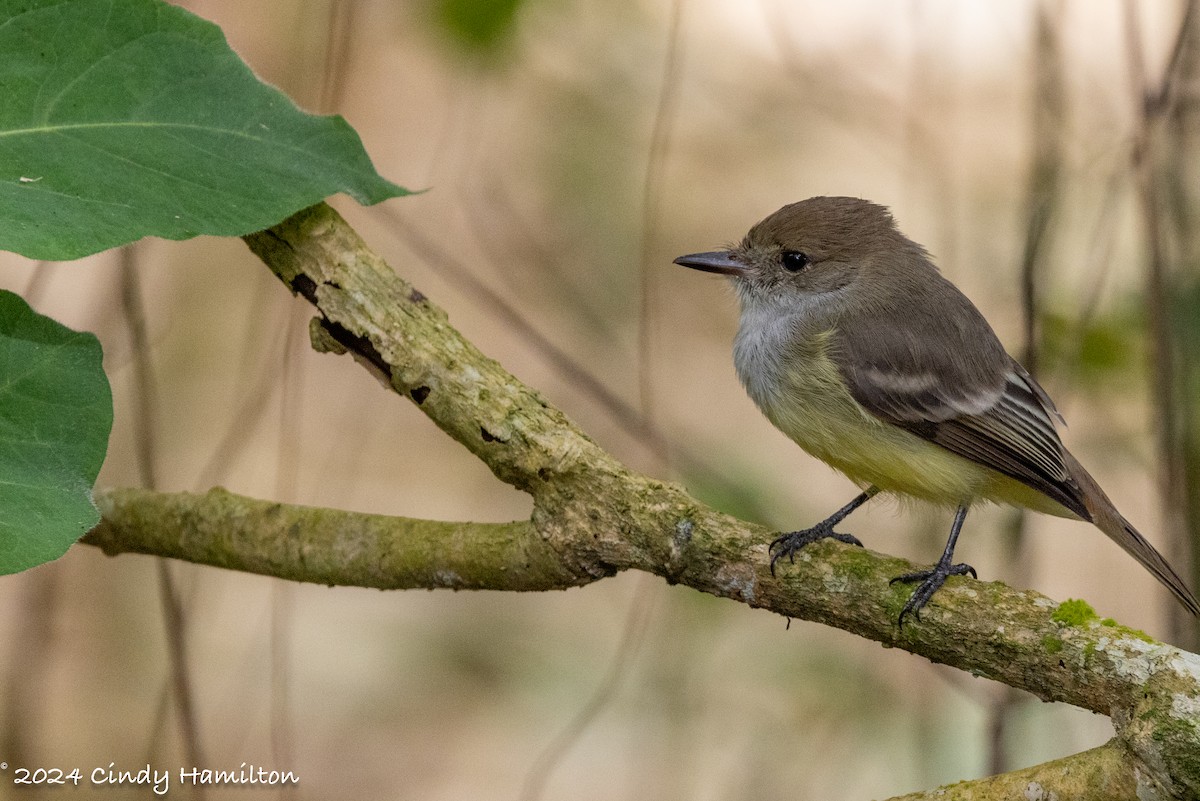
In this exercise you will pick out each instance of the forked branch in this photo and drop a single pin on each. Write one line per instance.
(594, 517)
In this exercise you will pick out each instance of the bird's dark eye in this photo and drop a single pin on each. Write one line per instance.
(793, 260)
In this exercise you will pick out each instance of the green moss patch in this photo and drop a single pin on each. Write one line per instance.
(1073, 612)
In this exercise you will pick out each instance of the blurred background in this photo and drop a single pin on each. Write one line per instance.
(1045, 152)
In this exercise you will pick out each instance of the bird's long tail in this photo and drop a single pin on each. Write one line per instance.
(1121, 531)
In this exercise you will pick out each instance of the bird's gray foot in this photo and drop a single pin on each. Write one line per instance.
(788, 544)
(931, 581)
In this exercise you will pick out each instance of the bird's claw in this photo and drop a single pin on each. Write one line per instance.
(788, 544)
(931, 581)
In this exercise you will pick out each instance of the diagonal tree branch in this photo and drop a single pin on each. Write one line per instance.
(593, 517)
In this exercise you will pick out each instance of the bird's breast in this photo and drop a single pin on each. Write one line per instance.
(774, 338)
(785, 366)
(790, 374)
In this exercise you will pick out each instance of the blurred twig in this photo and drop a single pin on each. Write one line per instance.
(145, 421)
(926, 115)
(251, 406)
(859, 92)
(1044, 190)
(339, 38)
(36, 286)
(27, 680)
(1155, 103)
(660, 139)
(287, 470)
(281, 657)
(1182, 198)
(632, 635)
(508, 239)
(145, 391)
(1099, 262)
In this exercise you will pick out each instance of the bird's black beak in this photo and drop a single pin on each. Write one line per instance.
(717, 261)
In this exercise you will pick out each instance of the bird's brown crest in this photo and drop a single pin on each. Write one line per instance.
(835, 228)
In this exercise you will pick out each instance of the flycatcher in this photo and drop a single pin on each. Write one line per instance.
(854, 345)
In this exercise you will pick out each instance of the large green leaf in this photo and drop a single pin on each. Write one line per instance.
(127, 118)
(55, 416)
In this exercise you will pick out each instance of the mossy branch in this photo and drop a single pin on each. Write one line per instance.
(326, 546)
(593, 517)
(1099, 774)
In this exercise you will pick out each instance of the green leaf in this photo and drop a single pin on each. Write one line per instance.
(130, 118)
(55, 417)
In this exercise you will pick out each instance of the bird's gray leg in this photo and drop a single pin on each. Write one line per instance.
(932, 580)
(788, 544)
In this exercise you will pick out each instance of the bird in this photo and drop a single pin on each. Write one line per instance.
(854, 345)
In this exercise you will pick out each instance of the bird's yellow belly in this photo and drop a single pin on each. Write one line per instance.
(842, 434)
(815, 409)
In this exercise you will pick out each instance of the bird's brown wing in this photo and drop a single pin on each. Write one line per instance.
(909, 367)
